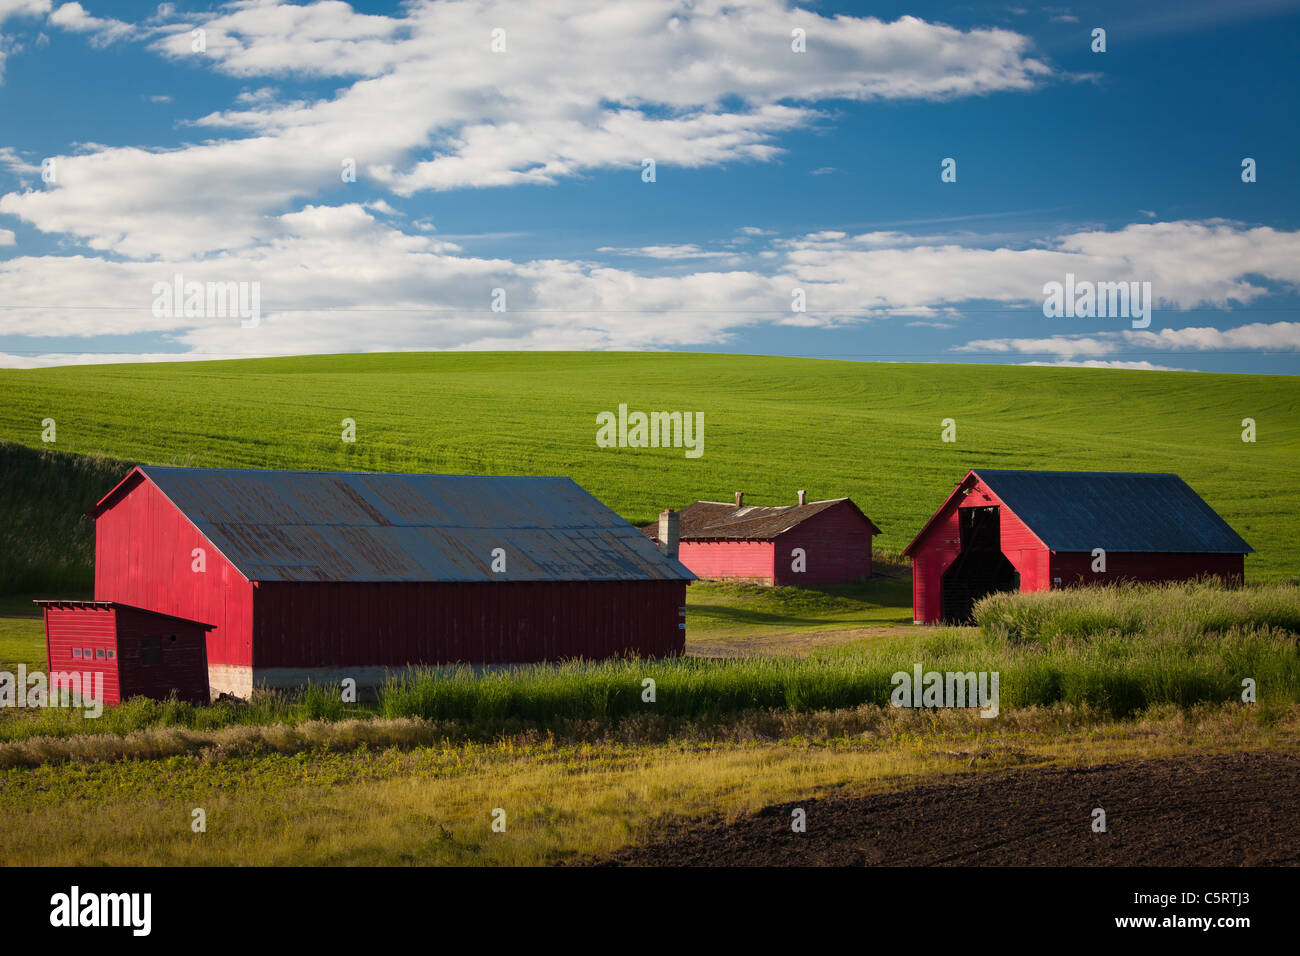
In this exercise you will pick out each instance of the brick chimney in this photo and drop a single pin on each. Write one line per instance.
(803, 497)
(669, 533)
(740, 499)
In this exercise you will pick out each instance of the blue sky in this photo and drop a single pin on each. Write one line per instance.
(521, 169)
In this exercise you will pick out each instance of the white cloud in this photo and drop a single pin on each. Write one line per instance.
(7, 237)
(47, 359)
(12, 9)
(1095, 363)
(428, 106)
(339, 279)
(11, 160)
(103, 31)
(1065, 346)
(1189, 264)
(1261, 336)
(669, 252)
(23, 8)
(1272, 336)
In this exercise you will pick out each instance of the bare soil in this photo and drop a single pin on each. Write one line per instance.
(1231, 810)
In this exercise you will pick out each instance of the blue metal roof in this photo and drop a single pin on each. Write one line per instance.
(359, 526)
(1116, 511)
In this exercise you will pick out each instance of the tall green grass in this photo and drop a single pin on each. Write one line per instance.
(1115, 651)
(1114, 672)
(1183, 608)
(143, 713)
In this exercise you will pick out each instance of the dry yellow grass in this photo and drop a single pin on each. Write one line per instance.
(433, 804)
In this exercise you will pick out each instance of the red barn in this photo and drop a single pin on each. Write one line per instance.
(321, 576)
(808, 544)
(126, 650)
(1038, 530)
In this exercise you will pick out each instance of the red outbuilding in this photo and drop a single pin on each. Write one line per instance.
(809, 544)
(1039, 530)
(322, 576)
(126, 651)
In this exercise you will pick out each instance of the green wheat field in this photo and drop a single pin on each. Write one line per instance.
(772, 426)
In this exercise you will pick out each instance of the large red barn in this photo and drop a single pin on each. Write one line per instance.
(321, 576)
(1039, 530)
(809, 544)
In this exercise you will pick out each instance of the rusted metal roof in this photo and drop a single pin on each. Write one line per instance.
(717, 520)
(113, 605)
(364, 527)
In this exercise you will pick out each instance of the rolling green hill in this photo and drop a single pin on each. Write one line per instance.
(772, 426)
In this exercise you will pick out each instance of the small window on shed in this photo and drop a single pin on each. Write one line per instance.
(76, 652)
(150, 651)
(87, 653)
(99, 653)
(111, 654)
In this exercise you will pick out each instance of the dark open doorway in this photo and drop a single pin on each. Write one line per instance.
(980, 568)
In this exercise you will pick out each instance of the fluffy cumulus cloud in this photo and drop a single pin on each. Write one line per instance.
(1261, 336)
(102, 30)
(423, 103)
(1187, 263)
(427, 104)
(343, 278)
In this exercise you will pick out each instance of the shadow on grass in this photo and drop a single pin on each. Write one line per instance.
(726, 605)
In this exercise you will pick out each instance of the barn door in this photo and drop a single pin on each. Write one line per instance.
(980, 568)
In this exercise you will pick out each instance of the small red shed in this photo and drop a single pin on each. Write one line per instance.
(808, 544)
(1038, 530)
(126, 650)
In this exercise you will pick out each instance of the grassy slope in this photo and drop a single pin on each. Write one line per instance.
(722, 609)
(46, 542)
(772, 425)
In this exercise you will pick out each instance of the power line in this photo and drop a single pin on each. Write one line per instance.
(914, 310)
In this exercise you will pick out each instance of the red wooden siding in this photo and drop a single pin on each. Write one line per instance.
(938, 545)
(143, 557)
(837, 546)
(301, 625)
(837, 542)
(84, 628)
(736, 560)
(112, 635)
(1076, 568)
(182, 664)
